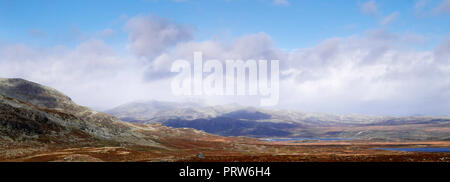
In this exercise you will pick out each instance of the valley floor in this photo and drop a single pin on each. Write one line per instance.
(241, 150)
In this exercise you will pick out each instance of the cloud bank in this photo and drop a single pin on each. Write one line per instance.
(376, 72)
(151, 35)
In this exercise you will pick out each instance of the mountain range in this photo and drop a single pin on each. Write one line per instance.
(236, 120)
(39, 123)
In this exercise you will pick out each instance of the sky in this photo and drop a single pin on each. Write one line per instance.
(364, 56)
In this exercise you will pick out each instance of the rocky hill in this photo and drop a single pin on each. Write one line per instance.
(35, 105)
(38, 122)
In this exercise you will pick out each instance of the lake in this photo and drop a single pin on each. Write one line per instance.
(299, 139)
(444, 149)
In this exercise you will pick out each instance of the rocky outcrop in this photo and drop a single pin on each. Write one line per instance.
(32, 111)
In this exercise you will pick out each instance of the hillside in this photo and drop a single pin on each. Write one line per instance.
(39, 122)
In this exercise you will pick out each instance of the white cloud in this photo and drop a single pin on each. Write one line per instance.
(253, 46)
(420, 5)
(107, 33)
(374, 73)
(442, 53)
(37, 33)
(369, 7)
(377, 72)
(151, 35)
(443, 7)
(390, 18)
(91, 73)
(281, 2)
(423, 8)
(414, 39)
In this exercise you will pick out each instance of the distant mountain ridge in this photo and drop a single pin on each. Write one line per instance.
(237, 120)
(148, 112)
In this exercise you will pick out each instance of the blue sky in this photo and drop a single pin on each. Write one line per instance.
(338, 56)
(300, 23)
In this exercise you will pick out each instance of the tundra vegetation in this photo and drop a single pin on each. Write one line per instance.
(38, 123)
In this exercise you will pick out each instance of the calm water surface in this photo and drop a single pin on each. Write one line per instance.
(299, 139)
(444, 149)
